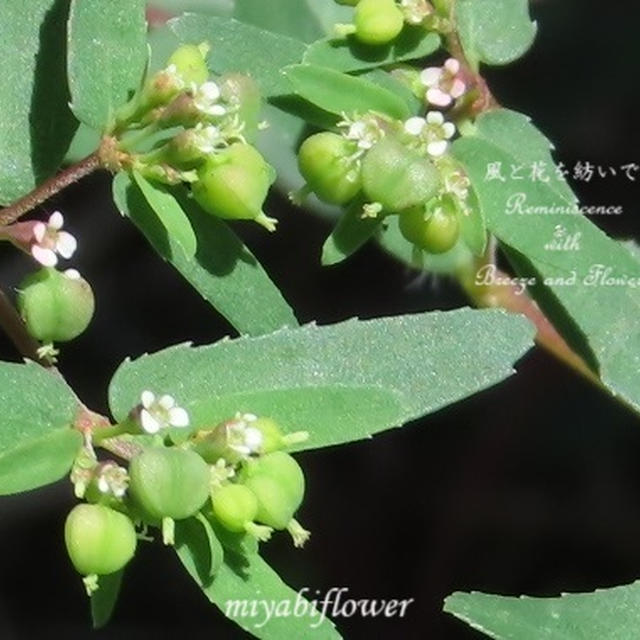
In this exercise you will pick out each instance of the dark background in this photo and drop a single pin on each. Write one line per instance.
(531, 487)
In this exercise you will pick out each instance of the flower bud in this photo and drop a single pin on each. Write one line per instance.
(377, 21)
(190, 63)
(324, 162)
(55, 306)
(99, 540)
(234, 183)
(398, 177)
(434, 228)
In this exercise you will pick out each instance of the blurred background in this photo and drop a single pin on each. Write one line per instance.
(531, 487)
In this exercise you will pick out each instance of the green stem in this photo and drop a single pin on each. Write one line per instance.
(140, 136)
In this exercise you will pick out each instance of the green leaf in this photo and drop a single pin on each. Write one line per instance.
(198, 545)
(339, 93)
(351, 55)
(222, 269)
(342, 382)
(244, 48)
(36, 125)
(104, 599)
(606, 614)
(494, 31)
(212, 7)
(170, 213)
(349, 234)
(107, 57)
(597, 319)
(473, 227)
(37, 444)
(249, 579)
(288, 17)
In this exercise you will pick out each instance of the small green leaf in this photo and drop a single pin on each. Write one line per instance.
(171, 215)
(351, 232)
(246, 579)
(473, 227)
(37, 444)
(244, 48)
(222, 270)
(36, 125)
(339, 93)
(606, 614)
(342, 382)
(198, 546)
(596, 315)
(107, 57)
(288, 17)
(349, 54)
(494, 31)
(104, 599)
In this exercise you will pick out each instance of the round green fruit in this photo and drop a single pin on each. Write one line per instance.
(189, 61)
(435, 229)
(398, 177)
(99, 540)
(235, 506)
(169, 482)
(56, 307)
(377, 21)
(276, 506)
(234, 183)
(323, 162)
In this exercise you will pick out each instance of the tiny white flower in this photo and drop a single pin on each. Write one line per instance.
(207, 138)
(415, 11)
(49, 241)
(112, 478)
(365, 131)
(160, 413)
(415, 125)
(175, 79)
(243, 438)
(444, 84)
(205, 98)
(437, 133)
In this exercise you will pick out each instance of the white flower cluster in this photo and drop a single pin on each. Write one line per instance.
(160, 413)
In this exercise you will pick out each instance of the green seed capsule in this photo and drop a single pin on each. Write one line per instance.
(169, 482)
(398, 177)
(56, 307)
(99, 540)
(190, 63)
(435, 229)
(234, 183)
(236, 507)
(323, 162)
(243, 93)
(377, 21)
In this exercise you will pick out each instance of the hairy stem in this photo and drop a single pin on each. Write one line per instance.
(49, 188)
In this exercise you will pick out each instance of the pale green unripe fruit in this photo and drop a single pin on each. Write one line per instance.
(322, 160)
(55, 307)
(438, 233)
(234, 183)
(377, 21)
(398, 177)
(189, 61)
(277, 481)
(99, 540)
(169, 482)
(235, 506)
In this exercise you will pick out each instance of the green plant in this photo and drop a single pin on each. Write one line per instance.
(403, 150)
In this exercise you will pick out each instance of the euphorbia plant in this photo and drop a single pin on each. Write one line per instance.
(197, 449)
